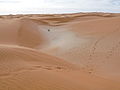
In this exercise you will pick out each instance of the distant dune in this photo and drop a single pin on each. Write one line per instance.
(60, 51)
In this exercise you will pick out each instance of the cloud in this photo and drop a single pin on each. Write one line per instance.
(115, 2)
(62, 5)
(84, 3)
(9, 1)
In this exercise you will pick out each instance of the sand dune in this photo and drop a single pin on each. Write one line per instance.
(60, 52)
(92, 44)
(27, 69)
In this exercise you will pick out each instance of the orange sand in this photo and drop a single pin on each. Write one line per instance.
(60, 52)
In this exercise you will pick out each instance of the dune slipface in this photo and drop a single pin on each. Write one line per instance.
(60, 52)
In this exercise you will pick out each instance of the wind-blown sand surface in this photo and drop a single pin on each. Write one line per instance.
(60, 52)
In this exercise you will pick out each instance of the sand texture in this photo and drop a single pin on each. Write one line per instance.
(78, 51)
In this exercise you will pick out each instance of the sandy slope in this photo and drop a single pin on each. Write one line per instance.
(27, 69)
(92, 44)
(60, 52)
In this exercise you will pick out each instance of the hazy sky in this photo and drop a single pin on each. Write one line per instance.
(58, 6)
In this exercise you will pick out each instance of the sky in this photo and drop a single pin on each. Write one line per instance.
(58, 6)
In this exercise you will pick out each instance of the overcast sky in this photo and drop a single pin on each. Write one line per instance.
(58, 6)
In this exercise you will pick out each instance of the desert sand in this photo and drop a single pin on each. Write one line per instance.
(79, 51)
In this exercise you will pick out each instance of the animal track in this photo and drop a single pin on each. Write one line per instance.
(5, 75)
(111, 51)
(59, 67)
(93, 49)
(97, 41)
(36, 67)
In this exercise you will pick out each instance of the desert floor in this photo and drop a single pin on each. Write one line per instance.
(78, 51)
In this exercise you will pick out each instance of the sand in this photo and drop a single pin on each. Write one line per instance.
(78, 51)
